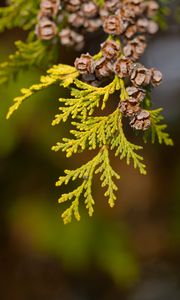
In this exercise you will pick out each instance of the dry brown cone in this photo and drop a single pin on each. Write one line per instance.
(92, 25)
(156, 77)
(112, 6)
(49, 8)
(72, 5)
(76, 19)
(151, 8)
(71, 38)
(135, 48)
(140, 75)
(137, 93)
(113, 25)
(129, 107)
(110, 49)
(132, 9)
(89, 9)
(141, 121)
(131, 31)
(152, 27)
(103, 68)
(46, 29)
(122, 67)
(85, 64)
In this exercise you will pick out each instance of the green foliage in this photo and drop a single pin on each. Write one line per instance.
(99, 134)
(19, 13)
(157, 130)
(99, 164)
(32, 54)
(60, 73)
(85, 98)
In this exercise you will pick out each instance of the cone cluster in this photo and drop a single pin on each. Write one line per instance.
(127, 23)
(138, 78)
(70, 20)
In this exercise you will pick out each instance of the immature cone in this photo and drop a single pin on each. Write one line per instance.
(141, 121)
(122, 67)
(113, 25)
(129, 107)
(140, 75)
(110, 49)
(46, 29)
(85, 64)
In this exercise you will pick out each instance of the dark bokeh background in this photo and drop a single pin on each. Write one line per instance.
(130, 252)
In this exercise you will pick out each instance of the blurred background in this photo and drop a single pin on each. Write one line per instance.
(131, 252)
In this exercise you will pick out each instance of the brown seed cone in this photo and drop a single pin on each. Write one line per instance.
(127, 13)
(71, 38)
(112, 5)
(122, 67)
(137, 93)
(72, 5)
(140, 75)
(49, 8)
(135, 48)
(85, 64)
(110, 49)
(156, 77)
(92, 25)
(104, 13)
(141, 121)
(131, 31)
(151, 8)
(103, 68)
(76, 19)
(152, 27)
(89, 9)
(133, 2)
(129, 107)
(113, 25)
(66, 37)
(46, 29)
(142, 24)
(134, 8)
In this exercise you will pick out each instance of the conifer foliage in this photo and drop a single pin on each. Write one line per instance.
(94, 82)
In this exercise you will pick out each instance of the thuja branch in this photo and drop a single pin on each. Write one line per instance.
(100, 164)
(63, 74)
(115, 70)
(19, 13)
(28, 55)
